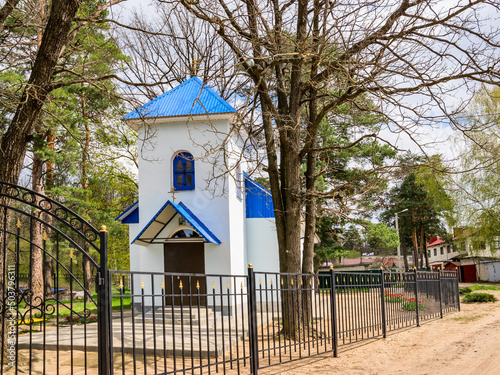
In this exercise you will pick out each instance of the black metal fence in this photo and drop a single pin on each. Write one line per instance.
(165, 323)
(63, 312)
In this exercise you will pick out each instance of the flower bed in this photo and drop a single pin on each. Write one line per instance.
(81, 320)
(393, 297)
(407, 304)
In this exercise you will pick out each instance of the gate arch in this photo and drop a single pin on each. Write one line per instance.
(53, 289)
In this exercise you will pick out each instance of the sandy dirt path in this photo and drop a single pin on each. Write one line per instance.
(465, 342)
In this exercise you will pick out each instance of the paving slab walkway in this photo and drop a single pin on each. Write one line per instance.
(177, 336)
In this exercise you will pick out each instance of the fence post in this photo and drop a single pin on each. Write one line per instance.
(382, 294)
(335, 339)
(103, 308)
(440, 280)
(252, 322)
(457, 289)
(416, 295)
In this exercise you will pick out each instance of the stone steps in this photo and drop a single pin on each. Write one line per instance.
(184, 316)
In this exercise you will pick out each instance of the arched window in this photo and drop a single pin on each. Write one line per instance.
(185, 233)
(184, 171)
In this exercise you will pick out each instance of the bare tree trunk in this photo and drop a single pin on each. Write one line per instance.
(36, 253)
(426, 254)
(49, 185)
(422, 246)
(310, 196)
(36, 260)
(414, 247)
(310, 174)
(414, 239)
(310, 217)
(87, 276)
(405, 256)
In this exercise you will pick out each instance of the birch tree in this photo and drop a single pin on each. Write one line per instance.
(476, 189)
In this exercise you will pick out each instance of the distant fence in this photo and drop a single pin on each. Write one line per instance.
(170, 323)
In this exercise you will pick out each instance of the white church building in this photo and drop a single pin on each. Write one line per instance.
(198, 211)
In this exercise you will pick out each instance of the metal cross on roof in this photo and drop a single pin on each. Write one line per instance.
(196, 64)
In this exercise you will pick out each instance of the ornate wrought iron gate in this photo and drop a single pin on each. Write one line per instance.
(55, 308)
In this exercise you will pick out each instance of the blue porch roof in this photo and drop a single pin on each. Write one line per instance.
(190, 98)
(149, 234)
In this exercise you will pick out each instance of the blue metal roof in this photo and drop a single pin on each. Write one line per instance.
(130, 215)
(258, 200)
(149, 234)
(190, 98)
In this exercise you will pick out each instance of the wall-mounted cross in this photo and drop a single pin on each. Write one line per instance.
(173, 194)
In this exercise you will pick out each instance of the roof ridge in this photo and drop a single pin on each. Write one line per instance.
(212, 92)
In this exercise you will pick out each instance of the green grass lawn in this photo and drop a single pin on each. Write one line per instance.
(484, 287)
(66, 308)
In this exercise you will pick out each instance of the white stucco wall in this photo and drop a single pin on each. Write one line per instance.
(482, 272)
(236, 211)
(262, 244)
(144, 258)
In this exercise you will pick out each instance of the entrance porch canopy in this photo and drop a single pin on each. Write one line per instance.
(149, 234)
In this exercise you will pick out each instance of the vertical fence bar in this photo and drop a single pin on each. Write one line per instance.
(440, 281)
(333, 307)
(104, 307)
(122, 291)
(143, 314)
(415, 272)
(457, 292)
(382, 302)
(153, 310)
(215, 327)
(254, 350)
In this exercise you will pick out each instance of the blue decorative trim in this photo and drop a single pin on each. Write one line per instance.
(130, 215)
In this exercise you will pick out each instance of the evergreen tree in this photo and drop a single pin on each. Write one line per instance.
(426, 209)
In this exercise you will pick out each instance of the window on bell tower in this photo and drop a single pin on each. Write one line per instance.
(183, 167)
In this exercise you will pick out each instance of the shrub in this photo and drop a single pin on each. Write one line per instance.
(479, 297)
(409, 305)
(465, 290)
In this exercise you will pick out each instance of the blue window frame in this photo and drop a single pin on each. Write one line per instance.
(184, 171)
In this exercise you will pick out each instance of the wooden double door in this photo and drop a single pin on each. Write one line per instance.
(185, 257)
